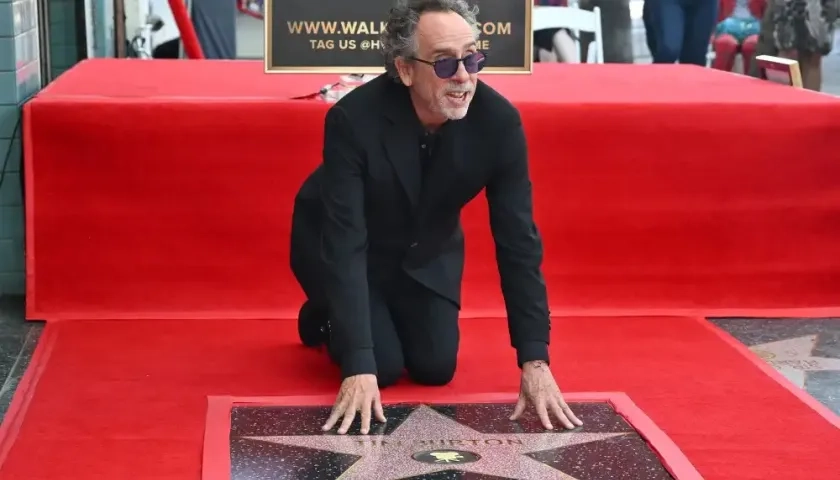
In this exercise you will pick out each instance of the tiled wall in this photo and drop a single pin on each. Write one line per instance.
(20, 79)
(65, 32)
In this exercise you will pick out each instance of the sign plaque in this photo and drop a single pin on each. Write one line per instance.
(326, 36)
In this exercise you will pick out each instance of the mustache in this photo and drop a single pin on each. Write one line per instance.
(459, 89)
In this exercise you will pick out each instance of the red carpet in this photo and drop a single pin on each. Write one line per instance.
(658, 190)
(119, 400)
(160, 194)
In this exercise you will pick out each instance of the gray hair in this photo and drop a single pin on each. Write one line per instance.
(398, 39)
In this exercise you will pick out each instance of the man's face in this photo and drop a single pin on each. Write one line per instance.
(440, 35)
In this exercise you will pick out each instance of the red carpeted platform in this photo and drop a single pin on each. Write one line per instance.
(163, 189)
(114, 400)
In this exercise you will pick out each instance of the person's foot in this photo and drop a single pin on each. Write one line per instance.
(312, 325)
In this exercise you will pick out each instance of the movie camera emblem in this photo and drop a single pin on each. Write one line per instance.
(438, 457)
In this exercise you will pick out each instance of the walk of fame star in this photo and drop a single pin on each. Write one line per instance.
(794, 357)
(389, 457)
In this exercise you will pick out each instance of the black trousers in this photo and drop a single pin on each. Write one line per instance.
(414, 329)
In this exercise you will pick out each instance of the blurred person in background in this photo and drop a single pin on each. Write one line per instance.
(554, 44)
(801, 30)
(737, 32)
(679, 30)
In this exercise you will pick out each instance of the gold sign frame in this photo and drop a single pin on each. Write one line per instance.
(780, 70)
(525, 68)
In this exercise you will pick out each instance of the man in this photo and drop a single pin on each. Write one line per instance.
(679, 30)
(377, 244)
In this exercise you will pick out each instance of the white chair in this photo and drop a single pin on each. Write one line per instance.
(576, 20)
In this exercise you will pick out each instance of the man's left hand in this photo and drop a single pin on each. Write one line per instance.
(539, 388)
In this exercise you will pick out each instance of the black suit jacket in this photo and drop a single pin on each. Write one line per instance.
(377, 214)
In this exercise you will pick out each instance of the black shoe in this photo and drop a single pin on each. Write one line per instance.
(312, 325)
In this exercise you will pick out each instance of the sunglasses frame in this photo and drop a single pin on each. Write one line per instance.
(437, 63)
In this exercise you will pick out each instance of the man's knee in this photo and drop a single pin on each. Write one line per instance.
(388, 375)
(433, 371)
(389, 366)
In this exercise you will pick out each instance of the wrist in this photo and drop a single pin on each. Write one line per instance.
(358, 362)
(531, 351)
(535, 365)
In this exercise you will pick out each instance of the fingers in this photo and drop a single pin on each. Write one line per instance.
(365, 428)
(349, 415)
(542, 412)
(377, 409)
(519, 409)
(337, 411)
(558, 412)
(366, 411)
(345, 409)
(571, 415)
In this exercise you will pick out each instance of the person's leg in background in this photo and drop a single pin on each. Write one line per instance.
(725, 47)
(805, 34)
(565, 47)
(752, 32)
(700, 19)
(669, 20)
(817, 41)
(810, 65)
(649, 20)
(748, 51)
(544, 45)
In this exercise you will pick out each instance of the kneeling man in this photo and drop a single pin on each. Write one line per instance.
(377, 244)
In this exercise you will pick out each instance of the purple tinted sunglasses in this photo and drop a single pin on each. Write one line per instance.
(448, 67)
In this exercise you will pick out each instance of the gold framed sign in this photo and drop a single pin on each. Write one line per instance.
(779, 70)
(342, 36)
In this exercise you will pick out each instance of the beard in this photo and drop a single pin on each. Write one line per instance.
(454, 101)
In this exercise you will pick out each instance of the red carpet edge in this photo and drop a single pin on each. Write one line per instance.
(16, 413)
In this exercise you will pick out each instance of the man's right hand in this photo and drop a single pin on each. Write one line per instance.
(358, 393)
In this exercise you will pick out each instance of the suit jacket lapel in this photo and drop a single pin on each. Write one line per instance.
(403, 150)
(401, 140)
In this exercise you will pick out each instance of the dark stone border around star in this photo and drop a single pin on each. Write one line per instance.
(636, 447)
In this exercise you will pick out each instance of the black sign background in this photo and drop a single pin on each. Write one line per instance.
(324, 46)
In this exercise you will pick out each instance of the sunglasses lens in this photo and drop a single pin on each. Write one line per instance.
(446, 67)
(474, 62)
